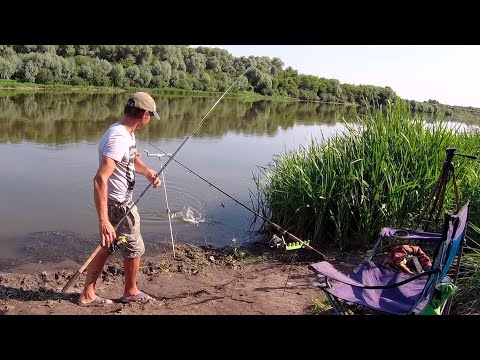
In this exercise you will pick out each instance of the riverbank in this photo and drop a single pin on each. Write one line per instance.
(198, 281)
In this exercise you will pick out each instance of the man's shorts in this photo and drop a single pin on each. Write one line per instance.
(130, 228)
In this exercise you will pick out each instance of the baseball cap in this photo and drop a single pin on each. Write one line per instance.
(144, 101)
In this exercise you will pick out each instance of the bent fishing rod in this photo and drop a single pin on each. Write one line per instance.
(99, 247)
(275, 226)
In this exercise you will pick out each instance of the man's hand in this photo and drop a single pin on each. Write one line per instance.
(150, 175)
(107, 232)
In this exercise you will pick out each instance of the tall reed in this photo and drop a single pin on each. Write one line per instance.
(340, 191)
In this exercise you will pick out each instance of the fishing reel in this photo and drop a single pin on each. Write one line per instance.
(277, 242)
(280, 243)
(121, 240)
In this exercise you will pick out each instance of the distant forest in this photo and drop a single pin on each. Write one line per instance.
(186, 68)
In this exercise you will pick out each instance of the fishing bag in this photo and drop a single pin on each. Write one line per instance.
(408, 259)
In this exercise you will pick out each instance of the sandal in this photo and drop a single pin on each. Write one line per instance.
(99, 301)
(141, 297)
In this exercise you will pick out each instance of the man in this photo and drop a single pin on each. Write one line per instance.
(113, 189)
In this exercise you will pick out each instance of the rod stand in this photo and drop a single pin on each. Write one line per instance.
(159, 155)
(432, 208)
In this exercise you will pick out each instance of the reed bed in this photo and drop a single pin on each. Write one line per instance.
(378, 172)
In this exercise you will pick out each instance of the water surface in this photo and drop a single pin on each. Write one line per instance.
(49, 146)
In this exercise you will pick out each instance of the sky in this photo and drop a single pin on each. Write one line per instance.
(449, 74)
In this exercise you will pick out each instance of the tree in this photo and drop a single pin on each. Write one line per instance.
(161, 73)
(132, 74)
(261, 82)
(117, 75)
(66, 50)
(243, 63)
(83, 50)
(181, 80)
(205, 83)
(213, 64)
(143, 54)
(277, 66)
(7, 68)
(334, 88)
(195, 63)
(171, 54)
(242, 85)
(28, 71)
(9, 62)
(145, 75)
(44, 49)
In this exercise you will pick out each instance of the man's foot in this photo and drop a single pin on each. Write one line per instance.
(141, 297)
(99, 301)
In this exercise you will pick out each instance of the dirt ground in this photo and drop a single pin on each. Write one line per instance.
(198, 281)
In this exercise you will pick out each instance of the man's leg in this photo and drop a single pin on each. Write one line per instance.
(131, 267)
(132, 252)
(94, 270)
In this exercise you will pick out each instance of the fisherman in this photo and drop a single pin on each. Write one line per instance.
(113, 188)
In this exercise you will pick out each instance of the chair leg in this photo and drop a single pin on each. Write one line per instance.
(337, 307)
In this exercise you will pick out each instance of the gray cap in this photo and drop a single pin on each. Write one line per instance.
(144, 101)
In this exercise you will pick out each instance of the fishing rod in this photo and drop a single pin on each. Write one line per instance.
(99, 247)
(275, 226)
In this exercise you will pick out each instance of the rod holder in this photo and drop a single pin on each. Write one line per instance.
(157, 154)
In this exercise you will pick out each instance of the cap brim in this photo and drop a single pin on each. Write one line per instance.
(156, 115)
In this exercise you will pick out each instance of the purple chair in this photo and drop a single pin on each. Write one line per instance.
(374, 286)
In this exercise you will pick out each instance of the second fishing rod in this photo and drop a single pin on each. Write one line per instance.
(99, 247)
(275, 226)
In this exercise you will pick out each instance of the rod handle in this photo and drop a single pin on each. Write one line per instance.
(71, 281)
(82, 268)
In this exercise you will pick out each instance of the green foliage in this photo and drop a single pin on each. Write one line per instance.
(7, 68)
(237, 253)
(319, 306)
(78, 81)
(183, 67)
(466, 299)
(117, 75)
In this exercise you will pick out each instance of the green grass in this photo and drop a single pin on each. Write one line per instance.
(22, 87)
(29, 87)
(319, 306)
(466, 300)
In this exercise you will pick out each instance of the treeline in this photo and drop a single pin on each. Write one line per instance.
(181, 67)
(430, 107)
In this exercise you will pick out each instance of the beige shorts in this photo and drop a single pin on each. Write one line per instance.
(130, 228)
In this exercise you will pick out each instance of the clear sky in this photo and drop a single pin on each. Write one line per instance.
(449, 74)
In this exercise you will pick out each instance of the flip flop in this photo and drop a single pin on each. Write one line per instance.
(141, 297)
(99, 301)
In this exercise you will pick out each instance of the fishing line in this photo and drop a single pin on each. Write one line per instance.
(278, 228)
(99, 247)
(178, 149)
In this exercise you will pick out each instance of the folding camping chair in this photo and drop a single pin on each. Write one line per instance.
(373, 285)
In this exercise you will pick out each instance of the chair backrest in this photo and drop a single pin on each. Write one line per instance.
(457, 228)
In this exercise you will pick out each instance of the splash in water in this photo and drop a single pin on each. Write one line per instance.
(190, 216)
